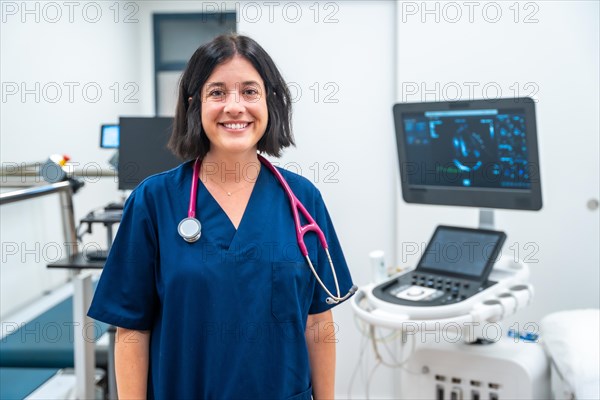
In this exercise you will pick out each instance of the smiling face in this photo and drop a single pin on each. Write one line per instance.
(234, 108)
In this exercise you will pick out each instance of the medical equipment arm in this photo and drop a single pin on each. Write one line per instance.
(320, 341)
(509, 294)
(132, 355)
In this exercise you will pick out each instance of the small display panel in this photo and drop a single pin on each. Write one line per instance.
(109, 136)
(462, 252)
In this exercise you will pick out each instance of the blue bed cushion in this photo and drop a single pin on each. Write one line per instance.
(48, 340)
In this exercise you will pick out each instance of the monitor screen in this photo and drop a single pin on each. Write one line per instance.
(481, 153)
(109, 136)
(462, 252)
(143, 149)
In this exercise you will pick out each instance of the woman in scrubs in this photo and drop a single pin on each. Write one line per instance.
(238, 313)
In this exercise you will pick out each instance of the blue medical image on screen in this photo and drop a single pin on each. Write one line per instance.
(469, 148)
(110, 137)
(464, 253)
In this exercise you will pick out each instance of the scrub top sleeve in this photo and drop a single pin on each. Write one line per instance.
(126, 294)
(318, 304)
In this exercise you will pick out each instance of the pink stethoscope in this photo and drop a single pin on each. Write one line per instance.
(189, 228)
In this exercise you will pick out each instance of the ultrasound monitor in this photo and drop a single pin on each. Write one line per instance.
(143, 149)
(480, 153)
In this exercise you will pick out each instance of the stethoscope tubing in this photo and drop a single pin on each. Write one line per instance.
(296, 205)
(194, 189)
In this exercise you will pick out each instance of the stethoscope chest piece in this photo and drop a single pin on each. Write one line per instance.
(189, 229)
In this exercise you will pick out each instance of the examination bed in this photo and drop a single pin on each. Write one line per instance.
(571, 340)
(33, 353)
(18, 383)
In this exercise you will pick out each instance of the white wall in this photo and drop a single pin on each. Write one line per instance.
(51, 55)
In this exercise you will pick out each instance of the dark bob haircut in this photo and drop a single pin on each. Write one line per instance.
(188, 139)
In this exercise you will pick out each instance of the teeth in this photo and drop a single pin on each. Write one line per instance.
(236, 126)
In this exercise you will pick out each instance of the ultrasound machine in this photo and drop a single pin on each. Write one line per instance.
(484, 154)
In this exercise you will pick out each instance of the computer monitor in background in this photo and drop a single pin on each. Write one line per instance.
(143, 149)
(480, 153)
(109, 136)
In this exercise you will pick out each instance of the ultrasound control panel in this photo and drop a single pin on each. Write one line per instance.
(426, 290)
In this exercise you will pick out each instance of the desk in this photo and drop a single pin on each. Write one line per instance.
(105, 217)
(108, 219)
(77, 261)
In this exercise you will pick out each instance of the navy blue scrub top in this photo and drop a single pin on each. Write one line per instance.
(227, 313)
